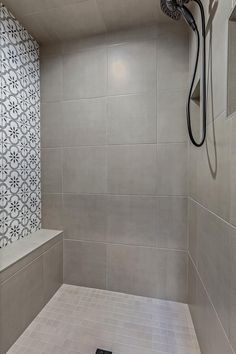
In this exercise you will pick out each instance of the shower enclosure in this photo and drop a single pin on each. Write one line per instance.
(105, 158)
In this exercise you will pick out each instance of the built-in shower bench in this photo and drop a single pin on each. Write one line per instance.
(31, 271)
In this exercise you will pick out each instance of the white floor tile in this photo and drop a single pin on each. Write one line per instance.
(79, 320)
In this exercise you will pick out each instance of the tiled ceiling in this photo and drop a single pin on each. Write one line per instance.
(57, 20)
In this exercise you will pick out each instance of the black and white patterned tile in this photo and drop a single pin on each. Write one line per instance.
(20, 197)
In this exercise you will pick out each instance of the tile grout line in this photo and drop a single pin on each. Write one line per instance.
(210, 300)
(127, 245)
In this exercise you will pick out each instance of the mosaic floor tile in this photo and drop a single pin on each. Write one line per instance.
(80, 320)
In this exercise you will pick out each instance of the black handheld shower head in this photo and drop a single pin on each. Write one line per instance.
(176, 8)
(169, 7)
(172, 8)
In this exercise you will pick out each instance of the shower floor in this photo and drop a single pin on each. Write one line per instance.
(79, 320)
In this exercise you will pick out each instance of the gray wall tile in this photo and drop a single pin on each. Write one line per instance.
(132, 67)
(232, 310)
(85, 170)
(172, 169)
(85, 264)
(142, 270)
(108, 134)
(51, 160)
(51, 124)
(132, 220)
(172, 275)
(24, 292)
(52, 211)
(193, 225)
(173, 54)
(171, 116)
(84, 217)
(233, 171)
(132, 119)
(52, 270)
(172, 223)
(51, 78)
(214, 262)
(210, 249)
(132, 169)
(213, 168)
(212, 185)
(21, 300)
(85, 74)
(211, 337)
(132, 270)
(84, 122)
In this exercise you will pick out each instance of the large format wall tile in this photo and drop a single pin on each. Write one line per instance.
(193, 156)
(214, 261)
(193, 232)
(233, 171)
(132, 220)
(148, 221)
(231, 105)
(209, 247)
(132, 169)
(172, 169)
(51, 82)
(171, 116)
(107, 125)
(27, 285)
(172, 223)
(86, 74)
(117, 14)
(232, 317)
(85, 170)
(212, 186)
(142, 270)
(132, 67)
(172, 275)
(85, 264)
(51, 124)
(21, 300)
(84, 217)
(213, 177)
(74, 123)
(52, 270)
(84, 122)
(132, 270)
(173, 56)
(51, 170)
(211, 337)
(74, 19)
(52, 211)
(132, 119)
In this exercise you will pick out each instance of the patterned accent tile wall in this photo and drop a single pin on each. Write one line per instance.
(20, 195)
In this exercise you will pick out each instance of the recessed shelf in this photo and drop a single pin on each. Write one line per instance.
(196, 93)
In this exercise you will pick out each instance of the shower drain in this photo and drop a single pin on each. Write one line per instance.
(103, 351)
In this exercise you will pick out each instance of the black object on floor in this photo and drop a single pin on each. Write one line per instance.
(103, 351)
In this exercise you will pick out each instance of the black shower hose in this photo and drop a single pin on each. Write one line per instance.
(204, 113)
